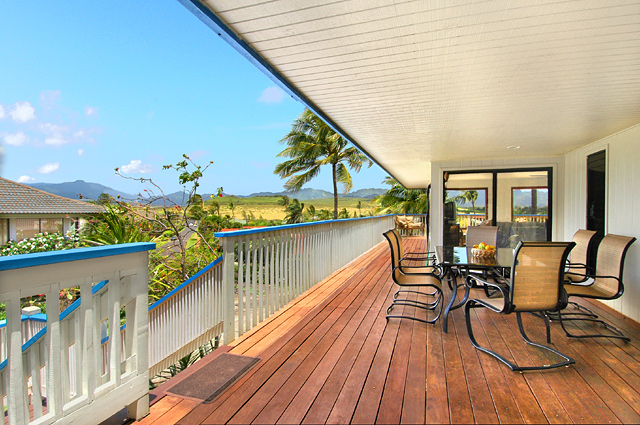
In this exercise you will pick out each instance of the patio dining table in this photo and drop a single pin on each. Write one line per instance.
(458, 260)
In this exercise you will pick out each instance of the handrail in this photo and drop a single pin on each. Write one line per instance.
(65, 362)
(241, 232)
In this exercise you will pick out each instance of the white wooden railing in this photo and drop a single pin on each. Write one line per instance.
(186, 318)
(64, 375)
(264, 269)
(32, 322)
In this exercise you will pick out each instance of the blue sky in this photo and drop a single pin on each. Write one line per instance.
(87, 86)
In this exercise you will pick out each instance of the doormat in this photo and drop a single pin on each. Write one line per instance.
(211, 380)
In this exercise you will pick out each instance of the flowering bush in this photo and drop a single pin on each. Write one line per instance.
(41, 242)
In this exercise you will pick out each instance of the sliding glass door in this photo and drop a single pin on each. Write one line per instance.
(517, 201)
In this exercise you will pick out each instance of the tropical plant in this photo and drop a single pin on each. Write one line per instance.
(359, 207)
(173, 217)
(343, 213)
(311, 143)
(294, 212)
(311, 212)
(115, 225)
(232, 207)
(400, 200)
(324, 215)
(284, 201)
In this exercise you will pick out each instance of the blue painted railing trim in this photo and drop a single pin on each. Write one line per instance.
(52, 257)
(292, 226)
(38, 317)
(185, 283)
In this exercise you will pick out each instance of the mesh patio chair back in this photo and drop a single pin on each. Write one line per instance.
(536, 285)
(610, 262)
(537, 276)
(579, 255)
(394, 247)
(393, 233)
(478, 234)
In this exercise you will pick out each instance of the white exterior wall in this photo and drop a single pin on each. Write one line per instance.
(623, 203)
(556, 163)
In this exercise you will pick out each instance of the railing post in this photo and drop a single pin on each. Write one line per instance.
(15, 396)
(228, 289)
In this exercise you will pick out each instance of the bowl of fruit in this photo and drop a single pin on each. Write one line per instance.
(483, 250)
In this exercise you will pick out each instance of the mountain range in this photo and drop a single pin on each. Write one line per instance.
(80, 189)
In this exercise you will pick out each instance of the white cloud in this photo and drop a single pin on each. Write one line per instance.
(23, 112)
(136, 167)
(53, 129)
(16, 139)
(55, 141)
(2, 113)
(80, 152)
(272, 94)
(90, 111)
(49, 168)
(55, 133)
(26, 179)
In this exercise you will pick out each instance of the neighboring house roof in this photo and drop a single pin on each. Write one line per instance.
(17, 198)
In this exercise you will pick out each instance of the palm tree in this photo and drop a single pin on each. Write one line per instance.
(311, 144)
(294, 212)
(232, 207)
(400, 200)
(284, 201)
(467, 196)
(359, 207)
(311, 212)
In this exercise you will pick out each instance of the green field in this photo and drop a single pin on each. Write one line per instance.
(268, 207)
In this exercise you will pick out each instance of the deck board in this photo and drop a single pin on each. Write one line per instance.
(330, 356)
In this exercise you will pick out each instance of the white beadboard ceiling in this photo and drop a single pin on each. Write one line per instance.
(412, 82)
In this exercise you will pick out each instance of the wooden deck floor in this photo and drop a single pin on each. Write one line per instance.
(331, 357)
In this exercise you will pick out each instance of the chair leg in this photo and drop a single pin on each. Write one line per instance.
(567, 360)
(417, 304)
(580, 314)
(617, 333)
(513, 366)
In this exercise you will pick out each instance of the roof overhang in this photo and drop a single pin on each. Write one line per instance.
(413, 82)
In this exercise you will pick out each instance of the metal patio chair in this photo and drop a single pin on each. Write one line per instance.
(483, 234)
(535, 286)
(605, 284)
(478, 234)
(429, 257)
(577, 268)
(410, 279)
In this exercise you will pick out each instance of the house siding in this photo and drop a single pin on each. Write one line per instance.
(623, 203)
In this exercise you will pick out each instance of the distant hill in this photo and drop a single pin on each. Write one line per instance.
(79, 189)
(92, 191)
(308, 194)
(302, 195)
(365, 193)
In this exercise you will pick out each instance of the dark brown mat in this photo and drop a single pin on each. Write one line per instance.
(208, 382)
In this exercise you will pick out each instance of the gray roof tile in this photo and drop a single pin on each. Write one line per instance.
(17, 198)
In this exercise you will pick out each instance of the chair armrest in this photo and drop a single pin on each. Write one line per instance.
(502, 287)
(590, 270)
(408, 269)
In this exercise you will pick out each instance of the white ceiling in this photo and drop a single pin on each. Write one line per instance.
(418, 81)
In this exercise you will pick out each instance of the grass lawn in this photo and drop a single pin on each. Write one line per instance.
(268, 207)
